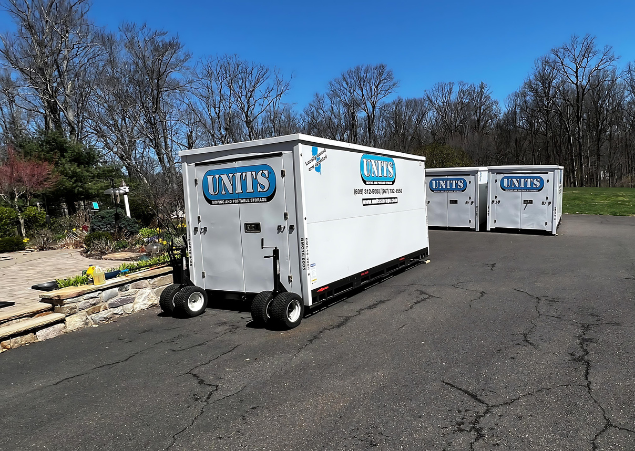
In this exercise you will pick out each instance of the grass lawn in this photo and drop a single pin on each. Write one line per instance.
(599, 201)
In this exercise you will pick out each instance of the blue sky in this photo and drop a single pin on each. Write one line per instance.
(422, 42)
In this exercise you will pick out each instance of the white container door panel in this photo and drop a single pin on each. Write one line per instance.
(216, 232)
(437, 209)
(461, 205)
(535, 215)
(506, 205)
(264, 219)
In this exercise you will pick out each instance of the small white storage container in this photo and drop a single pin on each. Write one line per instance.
(457, 197)
(525, 197)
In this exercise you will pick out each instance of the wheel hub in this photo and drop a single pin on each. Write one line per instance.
(195, 302)
(293, 311)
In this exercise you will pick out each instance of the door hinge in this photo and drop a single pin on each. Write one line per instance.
(290, 279)
(286, 216)
(203, 274)
(199, 219)
(195, 182)
(282, 173)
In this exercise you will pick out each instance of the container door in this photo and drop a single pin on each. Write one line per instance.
(506, 203)
(216, 232)
(437, 203)
(263, 214)
(537, 203)
(461, 203)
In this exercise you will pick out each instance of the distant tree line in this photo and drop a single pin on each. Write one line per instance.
(133, 98)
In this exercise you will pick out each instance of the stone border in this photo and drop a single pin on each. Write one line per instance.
(104, 305)
(101, 304)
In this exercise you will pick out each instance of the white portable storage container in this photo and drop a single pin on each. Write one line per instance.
(525, 197)
(457, 197)
(338, 214)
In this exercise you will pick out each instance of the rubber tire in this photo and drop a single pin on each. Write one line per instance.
(260, 308)
(166, 300)
(181, 301)
(280, 306)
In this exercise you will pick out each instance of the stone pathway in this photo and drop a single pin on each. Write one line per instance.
(23, 270)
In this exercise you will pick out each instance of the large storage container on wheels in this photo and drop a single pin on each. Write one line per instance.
(525, 197)
(457, 197)
(298, 219)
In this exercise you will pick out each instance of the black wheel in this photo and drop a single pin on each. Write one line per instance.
(191, 300)
(287, 309)
(166, 300)
(260, 308)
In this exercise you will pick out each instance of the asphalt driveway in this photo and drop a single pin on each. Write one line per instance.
(503, 341)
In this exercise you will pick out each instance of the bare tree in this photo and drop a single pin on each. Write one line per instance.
(235, 97)
(578, 61)
(158, 65)
(53, 51)
(113, 110)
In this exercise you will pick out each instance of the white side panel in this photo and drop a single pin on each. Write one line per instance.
(355, 223)
(343, 247)
(191, 213)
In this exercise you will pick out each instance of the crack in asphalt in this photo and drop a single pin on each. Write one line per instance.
(583, 340)
(231, 329)
(105, 365)
(426, 297)
(475, 424)
(481, 293)
(205, 400)
(583, 358)
(539, 314)
(343, 321)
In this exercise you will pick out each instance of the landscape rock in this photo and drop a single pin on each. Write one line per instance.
(91, 295)
(144, 299)
(118, 302)
(161, 281)
(76, 321)
(139, 284)
(16, 342)
(66, 309)
(88, 303)
(106, 315)
(50, 332)
(96, 309)
(109, 294)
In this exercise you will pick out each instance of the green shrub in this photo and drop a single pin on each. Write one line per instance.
(93, 237)
(104, 221)
(121, 244)
(75, 281)
(148, 232)
(8, 222)
(138, 266)
(11, 244)
(34, 219)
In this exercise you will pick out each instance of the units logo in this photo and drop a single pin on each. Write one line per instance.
(377, 170)
(522, 183)
(448, 185)
(247, 184)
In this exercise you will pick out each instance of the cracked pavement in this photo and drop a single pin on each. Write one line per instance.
(504, 341)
